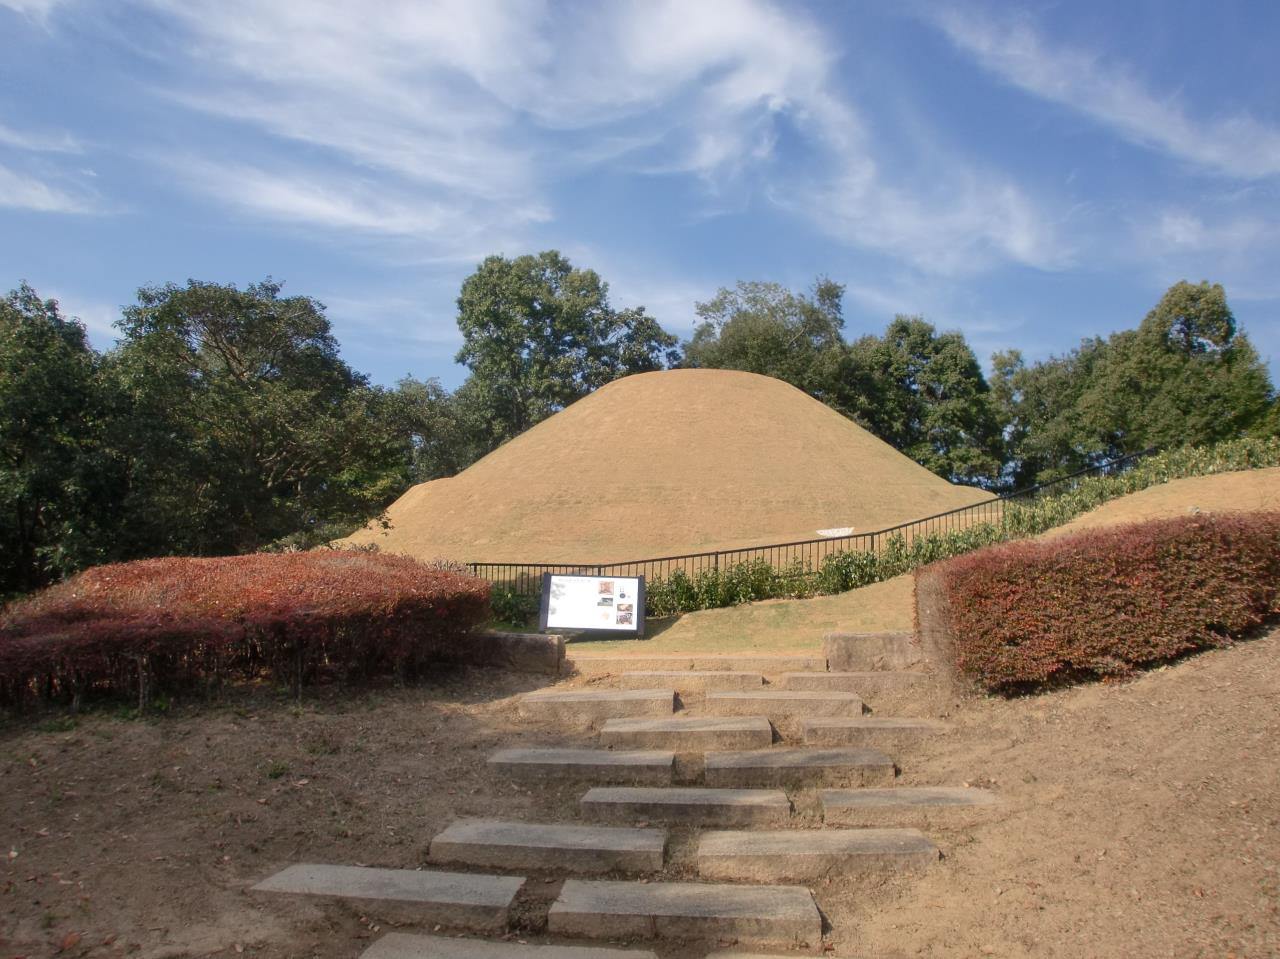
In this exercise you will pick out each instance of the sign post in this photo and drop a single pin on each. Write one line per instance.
(603, 605)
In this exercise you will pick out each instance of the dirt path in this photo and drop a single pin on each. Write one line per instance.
(1141, 819)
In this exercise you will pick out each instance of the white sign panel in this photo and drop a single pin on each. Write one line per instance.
(612, 604)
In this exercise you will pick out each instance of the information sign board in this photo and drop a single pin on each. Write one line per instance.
(593, 604)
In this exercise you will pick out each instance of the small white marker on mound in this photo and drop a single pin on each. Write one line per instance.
(838, 531)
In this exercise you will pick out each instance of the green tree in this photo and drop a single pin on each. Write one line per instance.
(539, 333)
(446, 430)
(239, 424)
(50, 419)
(765, 328)
(1185, 376)
(924, 393)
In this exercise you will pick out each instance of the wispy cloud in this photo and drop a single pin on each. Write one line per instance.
(22, 192)
(39, 142)
(1238, 144)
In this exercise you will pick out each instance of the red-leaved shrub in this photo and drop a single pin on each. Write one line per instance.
(1103, 603)
(165, 625)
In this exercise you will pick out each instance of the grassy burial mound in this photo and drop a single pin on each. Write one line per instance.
(665, 463)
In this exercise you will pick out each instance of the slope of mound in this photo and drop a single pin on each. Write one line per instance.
(667, 463)
(1247, 491)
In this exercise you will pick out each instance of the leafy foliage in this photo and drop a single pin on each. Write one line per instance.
(765, 328)
(1186, 375)
(1106, 602)
(50, 412)
(923, 392)
(539, 333)
(177, 625)
(237, 422)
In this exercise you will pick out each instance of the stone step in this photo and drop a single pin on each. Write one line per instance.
(784, 916)
(915, 805)
(403, 945)
(783, 766)
(491, 843)
(808, 854)
(689, 734)
(457, 900)
(877, 732)
(599, 664)
(691, 680)
(867, 651)
(687, 805)
(863, 683)
(783, 704)
(587, 707)
(641, 767)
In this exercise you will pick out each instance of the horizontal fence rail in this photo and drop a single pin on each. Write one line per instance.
(802, 557)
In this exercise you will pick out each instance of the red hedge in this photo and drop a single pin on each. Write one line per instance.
(1105, 602)
(169, 624)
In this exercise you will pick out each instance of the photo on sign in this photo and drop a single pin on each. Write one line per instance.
(624, 619)
(606, 588)
(626, 608)
(605, 601)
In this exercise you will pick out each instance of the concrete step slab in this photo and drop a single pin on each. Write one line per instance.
(808, 854)
(457, 900)
(867, 651)
(640, 767)
(492, 843)
(786, 766)
(689, 734)
(784, 916)
(588, 707)
(922, 806)
(402, 945)
(691, 680)
(875, 732)
(688, 805)
(598, 664)
(863, 683)
(783, 704)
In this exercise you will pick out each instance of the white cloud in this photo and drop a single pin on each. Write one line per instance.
(23, 192)
(36, 9)
(39, 142)
(1238, 145)
(453, 122)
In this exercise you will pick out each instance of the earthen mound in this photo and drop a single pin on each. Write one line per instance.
(667, 463)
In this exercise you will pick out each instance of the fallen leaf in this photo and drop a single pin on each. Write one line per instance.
(69, 941)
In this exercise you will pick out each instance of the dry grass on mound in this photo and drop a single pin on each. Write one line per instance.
(1246, 491)
(668, 463)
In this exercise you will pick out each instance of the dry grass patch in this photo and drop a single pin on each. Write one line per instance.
(779, 625)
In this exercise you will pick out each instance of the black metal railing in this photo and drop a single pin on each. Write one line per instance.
(804, 555)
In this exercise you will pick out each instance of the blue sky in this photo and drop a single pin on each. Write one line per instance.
(1028, 174)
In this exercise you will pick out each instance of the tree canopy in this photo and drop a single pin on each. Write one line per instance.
(225, 420)
(539, 333)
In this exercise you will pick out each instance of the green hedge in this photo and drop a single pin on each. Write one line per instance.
(756, 579)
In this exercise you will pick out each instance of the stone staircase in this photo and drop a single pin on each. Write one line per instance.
(716, 791)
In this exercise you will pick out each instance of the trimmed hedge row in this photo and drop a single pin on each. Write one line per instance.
(178, 624)
(755, 580)
(1106, 602)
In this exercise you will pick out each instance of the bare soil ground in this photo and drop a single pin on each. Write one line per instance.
(1141, 819)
